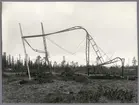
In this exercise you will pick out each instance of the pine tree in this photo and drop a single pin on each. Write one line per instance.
(134, 61)
(76, 64)
(13, 64)
(38, 61)
(9, 61)
(29, 63)
(55, 64)
(19, 63)
(4, 61)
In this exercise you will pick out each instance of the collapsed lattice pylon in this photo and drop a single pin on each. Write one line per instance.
(89, 41)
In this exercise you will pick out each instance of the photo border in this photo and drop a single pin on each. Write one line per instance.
(63, 1)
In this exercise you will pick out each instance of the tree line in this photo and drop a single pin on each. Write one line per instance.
(18, 64)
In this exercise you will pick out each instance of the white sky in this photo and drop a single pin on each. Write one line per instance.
(113, 25)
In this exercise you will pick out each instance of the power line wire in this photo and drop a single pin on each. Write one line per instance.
(59, 46)
(40, 51)
(36, 50)
(64, 48)
(71, 53)
(79, 45)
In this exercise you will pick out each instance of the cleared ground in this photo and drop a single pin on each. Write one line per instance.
(60, 91)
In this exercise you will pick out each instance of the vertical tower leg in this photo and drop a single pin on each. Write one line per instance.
(26, 56)
(87, 53)
(45, 49)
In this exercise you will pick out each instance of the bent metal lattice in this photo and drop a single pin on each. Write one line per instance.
(89, 41)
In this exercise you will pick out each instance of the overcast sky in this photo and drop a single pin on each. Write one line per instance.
(113, 25)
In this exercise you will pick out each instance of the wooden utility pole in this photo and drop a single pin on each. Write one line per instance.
(26, 56)
(45, 48)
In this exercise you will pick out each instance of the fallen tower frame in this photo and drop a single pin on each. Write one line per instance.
(89, 41)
